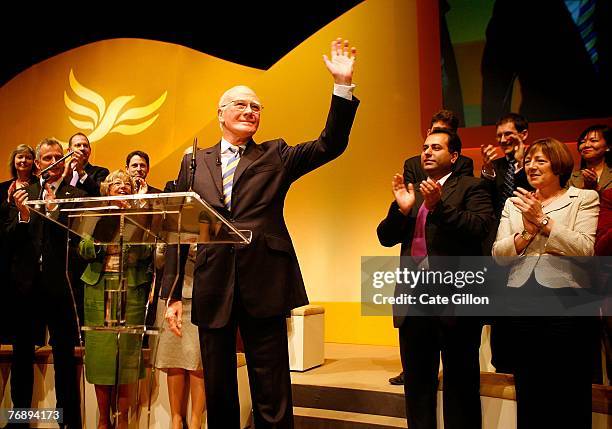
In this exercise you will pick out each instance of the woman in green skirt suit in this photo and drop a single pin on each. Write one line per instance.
(102, 274)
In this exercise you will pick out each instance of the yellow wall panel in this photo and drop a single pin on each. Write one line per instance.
(331, 213)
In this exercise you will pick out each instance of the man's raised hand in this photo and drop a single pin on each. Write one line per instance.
(341, 61)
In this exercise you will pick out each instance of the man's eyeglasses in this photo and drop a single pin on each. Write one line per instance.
(242, 105)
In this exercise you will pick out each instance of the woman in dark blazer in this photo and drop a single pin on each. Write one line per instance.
(22, 169)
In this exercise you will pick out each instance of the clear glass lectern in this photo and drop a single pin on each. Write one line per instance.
(120, 227)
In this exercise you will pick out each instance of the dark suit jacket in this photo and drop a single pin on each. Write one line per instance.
(414, 173)
(495, 186)
(266, 272)
(95, 176)
(538, 43)
(153, 190)
(456, 227)
(6, 256)
(40, 237)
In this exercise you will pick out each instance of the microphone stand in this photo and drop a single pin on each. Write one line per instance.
(45, 178)
(192, 165)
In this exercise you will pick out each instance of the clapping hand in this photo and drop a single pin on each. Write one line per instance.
(530, 208)
(20, 197)
(432, 193)
(404, 196)
(590, 178)
(488, 154)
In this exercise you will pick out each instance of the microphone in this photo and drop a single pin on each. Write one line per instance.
(45, 171)
(218, 160)
(192, 165)
(194, 149)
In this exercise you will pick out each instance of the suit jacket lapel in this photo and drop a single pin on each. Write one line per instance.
(448, 188)
(211, 156)
(606, 177)
(63, 191)
(562, 201)
(251, 153)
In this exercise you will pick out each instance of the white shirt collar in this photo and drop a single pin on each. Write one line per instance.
(443, 179)
(225, 145)
(55, 184)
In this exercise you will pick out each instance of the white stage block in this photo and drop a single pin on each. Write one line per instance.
(306, 335)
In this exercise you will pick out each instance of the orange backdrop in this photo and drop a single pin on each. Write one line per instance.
(139, 94)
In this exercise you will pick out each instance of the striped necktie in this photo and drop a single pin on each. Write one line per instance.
(228, 176)
(586, 27)
(508, 185)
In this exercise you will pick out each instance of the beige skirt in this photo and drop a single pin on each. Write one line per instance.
(178, 352)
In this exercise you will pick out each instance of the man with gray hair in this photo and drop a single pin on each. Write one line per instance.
(254, 287)
(39, 262)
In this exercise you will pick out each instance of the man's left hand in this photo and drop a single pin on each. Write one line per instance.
(432, 193)
(141, 185)
(519, 152)
(78, 162)
(341, 63)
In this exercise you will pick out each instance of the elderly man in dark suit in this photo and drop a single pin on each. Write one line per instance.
(254, 287)
(39, 274)
(79, 172)
(446, 215)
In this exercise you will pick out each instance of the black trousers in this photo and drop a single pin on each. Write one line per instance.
(267, 356)
(502, 347)
(422, 339)
(553, 358)
(57, 312)
(553, 370)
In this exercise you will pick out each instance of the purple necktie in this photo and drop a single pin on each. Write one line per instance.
(75, 178)
(418, 250)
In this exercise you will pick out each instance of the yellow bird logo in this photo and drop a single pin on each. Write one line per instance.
(112, 119)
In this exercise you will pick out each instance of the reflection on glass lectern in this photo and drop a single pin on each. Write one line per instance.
(117, 236)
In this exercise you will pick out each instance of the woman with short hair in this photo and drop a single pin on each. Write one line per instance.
(538, 233)
(594, 146)
(103, 274)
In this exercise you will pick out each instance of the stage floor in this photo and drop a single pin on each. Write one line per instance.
(355, 366)
(351, 391)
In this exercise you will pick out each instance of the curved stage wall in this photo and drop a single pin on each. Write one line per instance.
(129, 94)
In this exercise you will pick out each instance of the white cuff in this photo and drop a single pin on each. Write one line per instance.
(344, 91)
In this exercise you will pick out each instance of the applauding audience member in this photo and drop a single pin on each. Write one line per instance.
(594, 145)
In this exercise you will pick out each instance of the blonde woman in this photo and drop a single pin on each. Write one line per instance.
(102, 274)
